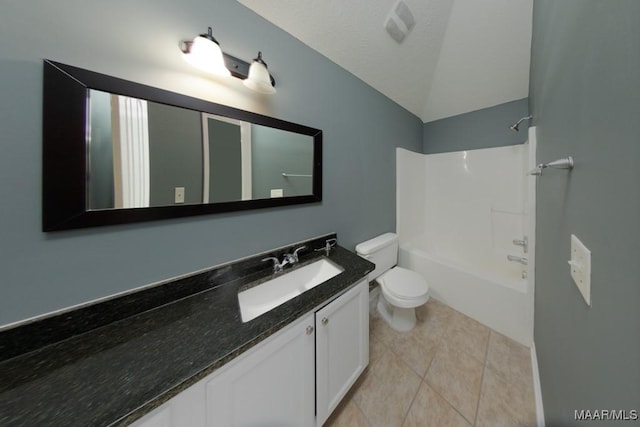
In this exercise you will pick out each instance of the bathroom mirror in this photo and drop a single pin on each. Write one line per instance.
(117, 152)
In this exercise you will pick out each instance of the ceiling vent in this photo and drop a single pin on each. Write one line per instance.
(399, 21)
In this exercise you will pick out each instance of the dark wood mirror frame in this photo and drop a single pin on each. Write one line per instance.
(64, 199)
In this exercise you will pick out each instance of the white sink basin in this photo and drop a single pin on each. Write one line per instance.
(265, 296)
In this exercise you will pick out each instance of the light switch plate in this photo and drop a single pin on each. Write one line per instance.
(580, 266)
(179, 195)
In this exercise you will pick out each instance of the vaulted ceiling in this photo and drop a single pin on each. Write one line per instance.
(461, 55)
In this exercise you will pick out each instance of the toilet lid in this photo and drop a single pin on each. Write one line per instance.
(403, 283)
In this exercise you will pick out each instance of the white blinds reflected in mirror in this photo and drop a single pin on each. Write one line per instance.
(130, 122)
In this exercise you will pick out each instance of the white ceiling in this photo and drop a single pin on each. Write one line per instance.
(461, 56)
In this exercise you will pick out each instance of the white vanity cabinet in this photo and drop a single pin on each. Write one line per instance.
(271, 386)
(342, 347)
(295, 378)
(185, 409)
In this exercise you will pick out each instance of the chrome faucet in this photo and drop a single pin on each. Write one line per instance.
(277, 265)
(295, 254)
(521, 260)
(286, 259)
(328, 244)
(293, 258)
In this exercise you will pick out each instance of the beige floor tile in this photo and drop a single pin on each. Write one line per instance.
(431, 325)
(489, 416)
(347, 414)
(379, 364)
(430, 410)
(509, 358)
(468, 335)
(452, 349)
(503, 402)
(456, 376)
(415, 352)
(387, 391)
(381, 330)
(434, 316)
(376, 348)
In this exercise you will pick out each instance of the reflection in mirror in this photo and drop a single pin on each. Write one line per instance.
(116, 152)
(245, 161)
(147, 154)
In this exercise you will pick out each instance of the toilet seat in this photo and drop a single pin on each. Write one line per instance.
(404, 288)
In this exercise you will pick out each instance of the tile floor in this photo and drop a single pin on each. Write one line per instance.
(448, 371)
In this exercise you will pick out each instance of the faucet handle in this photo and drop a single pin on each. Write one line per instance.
(295, 253)
(276, 263)
(329, 243)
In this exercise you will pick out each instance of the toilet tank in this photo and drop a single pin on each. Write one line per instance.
(382, 251)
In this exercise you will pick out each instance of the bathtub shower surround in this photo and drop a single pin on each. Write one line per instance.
(461, 216)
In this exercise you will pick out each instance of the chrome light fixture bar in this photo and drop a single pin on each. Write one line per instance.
(204, 53)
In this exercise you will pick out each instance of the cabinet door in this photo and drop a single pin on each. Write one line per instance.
(159, 417)
(271, 386)
(342, 347)
(185, 409)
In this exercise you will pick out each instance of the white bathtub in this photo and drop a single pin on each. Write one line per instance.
(458, 215)
(494, 297)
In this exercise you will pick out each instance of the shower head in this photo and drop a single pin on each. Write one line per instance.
(514, 127)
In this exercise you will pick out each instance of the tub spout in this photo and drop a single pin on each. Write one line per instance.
(521, 260)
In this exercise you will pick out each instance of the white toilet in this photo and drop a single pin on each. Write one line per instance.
(401, 290)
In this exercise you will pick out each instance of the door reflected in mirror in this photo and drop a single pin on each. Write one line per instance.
(147, 154)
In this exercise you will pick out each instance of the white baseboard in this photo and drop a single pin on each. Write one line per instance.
(537, 389)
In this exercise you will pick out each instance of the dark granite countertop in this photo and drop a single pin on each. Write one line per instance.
(117, 369)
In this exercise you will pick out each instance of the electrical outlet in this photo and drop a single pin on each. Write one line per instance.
(580, 266)
(277, 192)
(179, 195)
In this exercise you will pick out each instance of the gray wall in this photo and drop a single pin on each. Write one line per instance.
(274, 152)
(225, 161)
(484, 128)
(585, 98)
(139, 41)
(175, 154)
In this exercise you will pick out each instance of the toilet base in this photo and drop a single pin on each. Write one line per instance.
(400, 319)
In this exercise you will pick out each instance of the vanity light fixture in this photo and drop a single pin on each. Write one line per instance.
(259, 78)
(205, 54)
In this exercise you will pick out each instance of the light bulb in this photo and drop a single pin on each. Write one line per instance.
(206, 55)
(259, 78)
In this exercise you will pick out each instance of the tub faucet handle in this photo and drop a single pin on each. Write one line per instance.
(524, 243)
